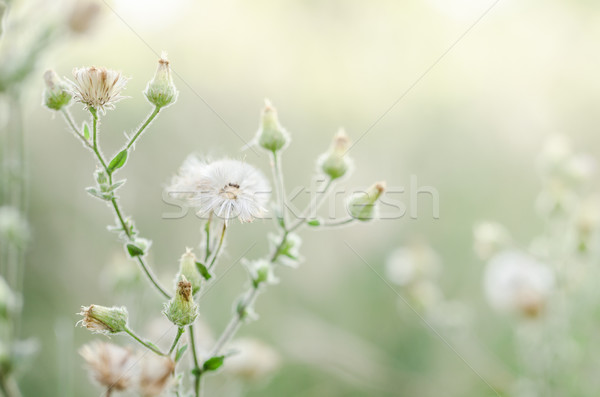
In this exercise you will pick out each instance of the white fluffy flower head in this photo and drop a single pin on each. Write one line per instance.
(227, 188)
(98, 88)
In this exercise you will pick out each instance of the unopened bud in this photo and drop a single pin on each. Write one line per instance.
(161, 90)
(56, 94)
(181, 310)
(104, 320)
(362, 205)
(334, 163)
(260, 271)
(271, 135)
(188, 269)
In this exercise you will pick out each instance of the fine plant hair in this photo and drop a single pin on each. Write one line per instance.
(222, 191)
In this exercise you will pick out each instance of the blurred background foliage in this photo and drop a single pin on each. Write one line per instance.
(471, 128)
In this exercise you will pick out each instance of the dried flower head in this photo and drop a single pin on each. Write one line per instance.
(161, 90)
(335, 163)
(181, 310)
(253, 360)
(227, 188)
(109, 365)
(98, 88)
(104, 320)
(155, 375)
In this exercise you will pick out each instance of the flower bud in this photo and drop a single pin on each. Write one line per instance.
(161, 91)
(188, 269)
(181, 310)
(260, 271)
(334, 163)
(362, 205)
(56, 94)
(271, 135)
(104, 320)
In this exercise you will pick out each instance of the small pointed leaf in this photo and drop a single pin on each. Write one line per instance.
(203, 271)
(213, 363)
(118, 161)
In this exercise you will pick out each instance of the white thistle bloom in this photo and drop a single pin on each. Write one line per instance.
(253, 360)
(98, 88)
(227, 188)
(515, 282)
(109, 365)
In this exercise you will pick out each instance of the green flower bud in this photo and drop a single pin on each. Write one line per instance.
(334, 163)
(271, 135)
(181, 310)
(161, 91)
(260, 271)
(104, 320)
(188, 269)
(56, 94)
(362, 205)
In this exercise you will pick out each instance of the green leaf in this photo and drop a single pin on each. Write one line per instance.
(134, 250)
(98, 194)
(196, 371)
(118, 161)
(152, 345)
(116, 185)
(180, 352)
(213, 363)
(203, 271)
(86, 131)
(314, 222)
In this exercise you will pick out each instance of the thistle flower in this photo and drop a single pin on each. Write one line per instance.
(109, 365)
(334, 163)
(161, 91)
(227, 188)
(188, 269)
(515, 282)
(181, 310)
(253, 360)
(56, 94)
(104, 320)
(271, 135)
(98, 88)
(155, 375)
(361, 206)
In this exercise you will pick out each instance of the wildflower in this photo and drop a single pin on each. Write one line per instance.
(155, 375)
(181, 310)
(104, 320)
(410, 264)
(253, 360)
(98, 88)
(56, 94)
(188, 269)
(227, 188)
(334, 163)
(515, 282)
(109, 365)
(161, 91)
(271, 135)
(490, 237)
(362, 205)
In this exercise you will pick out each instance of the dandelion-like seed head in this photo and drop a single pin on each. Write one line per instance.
(155, 375)
(109, 364)
(227, 188)
(98, 88)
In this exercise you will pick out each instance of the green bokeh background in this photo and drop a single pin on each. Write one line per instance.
(471, 128)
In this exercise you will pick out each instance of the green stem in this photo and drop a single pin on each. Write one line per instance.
(338, 223)
(147, 345)
(69, 119)
(279, 186)
(95, 139)
(179, 333)
(302, 220)
(207, 232)
(218, 249)
(196, 368)
(143, 127)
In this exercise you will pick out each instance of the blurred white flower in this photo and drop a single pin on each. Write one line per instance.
(253, 360)
(412, 263)
(98, 88)
(155, 375)
(13, 226)
(227, 188)
(109, 365)
(515, 282)
(489, 238)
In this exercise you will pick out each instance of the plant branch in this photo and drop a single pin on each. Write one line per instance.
(180, 331)
(146, 344)
(218, 249)
(279, 186)
(196, 369)
(143, 127)
(319, 202)
(69, 119)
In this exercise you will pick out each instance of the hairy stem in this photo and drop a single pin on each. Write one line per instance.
(143, 127)
(180, 331)
(146, 344)
(307, 211)
(279, 186)
(196, 369)
(69, 119)
(219, 246)
(95, 139)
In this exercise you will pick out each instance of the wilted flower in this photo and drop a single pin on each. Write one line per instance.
(410, 264)
(161, 90)
(181, 310)
(361, 205)
(155, 375)
(56, 94)
(104, 320)
(515, 282)
(109, 365)
(490, 237)
(271, 135)
(253, 360)
(98, 88)
(188, 269)
(227, 188)
(334, 163)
